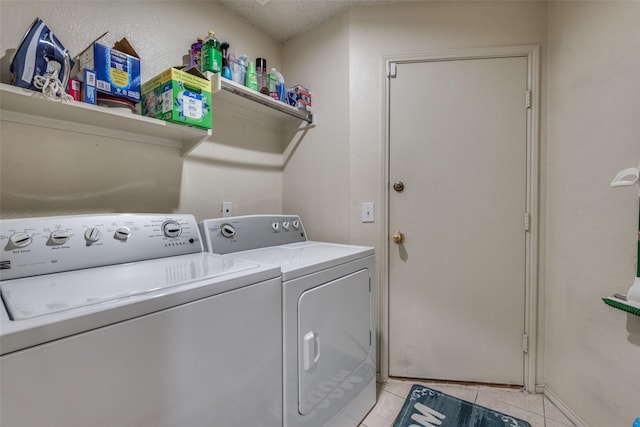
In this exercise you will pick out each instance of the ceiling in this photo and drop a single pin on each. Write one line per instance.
(285, 19)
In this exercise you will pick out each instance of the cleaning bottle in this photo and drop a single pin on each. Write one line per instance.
(280, 88)
(261, 70)
(226, 69)
(242, 65)
(211, 54)
(636, 423)
(194, 54)
(251, 79)
(271, 84)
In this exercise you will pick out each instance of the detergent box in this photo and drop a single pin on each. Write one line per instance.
(178, 95)
(299, 97)
(117, 69)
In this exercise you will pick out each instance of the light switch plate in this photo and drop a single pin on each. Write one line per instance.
(368, 212)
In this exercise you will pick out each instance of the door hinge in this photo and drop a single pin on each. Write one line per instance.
(525, 343)
(393, 70)
(528, 98)
(527, 221)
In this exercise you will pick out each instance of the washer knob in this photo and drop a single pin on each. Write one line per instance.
(21, 239)
(228, 231)
(275, 226)
(171, 229)
(92, 235)
(122, 234)
(286, 225)
(59, 237)
(295, 224)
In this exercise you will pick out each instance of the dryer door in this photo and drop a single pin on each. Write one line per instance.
(333, 337)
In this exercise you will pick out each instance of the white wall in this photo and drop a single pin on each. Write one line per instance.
(45, 172)
(592, 357)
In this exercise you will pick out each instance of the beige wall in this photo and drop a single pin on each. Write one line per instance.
(590, 83)
(373, 32)
(44, 171)
(587, 231)
(316, 177)
(592, 352)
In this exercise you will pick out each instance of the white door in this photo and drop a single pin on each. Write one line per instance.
(457, 283)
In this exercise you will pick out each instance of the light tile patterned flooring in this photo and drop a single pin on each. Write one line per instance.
(536, 409)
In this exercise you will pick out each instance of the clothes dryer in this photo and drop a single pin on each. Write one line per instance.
(123, 320)
(328, 315)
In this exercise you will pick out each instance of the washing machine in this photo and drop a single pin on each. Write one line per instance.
(124, 320)
(328, 315)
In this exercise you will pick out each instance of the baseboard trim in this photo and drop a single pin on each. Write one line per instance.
(564, 408)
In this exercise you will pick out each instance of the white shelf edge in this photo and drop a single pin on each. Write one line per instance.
(31, 108)
(45, 122)
(219, 83)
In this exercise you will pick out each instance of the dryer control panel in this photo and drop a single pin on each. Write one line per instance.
(34, 246)
(242, 233)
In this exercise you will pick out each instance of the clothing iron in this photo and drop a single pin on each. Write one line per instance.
(41, 56)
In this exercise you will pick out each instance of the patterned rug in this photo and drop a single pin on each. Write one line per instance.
(425, 407)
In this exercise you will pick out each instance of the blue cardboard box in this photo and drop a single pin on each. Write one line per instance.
(117, 73)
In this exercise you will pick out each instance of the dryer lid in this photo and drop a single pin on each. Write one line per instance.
(43, 295)
(303, 258)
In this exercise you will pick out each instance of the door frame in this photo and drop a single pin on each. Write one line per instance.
(532, 53)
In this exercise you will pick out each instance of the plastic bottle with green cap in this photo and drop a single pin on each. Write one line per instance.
(251, 78)
(211, 55)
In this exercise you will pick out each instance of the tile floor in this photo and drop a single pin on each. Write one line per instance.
(536, 409)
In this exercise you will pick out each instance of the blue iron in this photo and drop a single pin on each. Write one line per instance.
(40, 54)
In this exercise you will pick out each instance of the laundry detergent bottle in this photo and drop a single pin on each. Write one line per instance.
(281, 89)
(251, 77)
(211, 54)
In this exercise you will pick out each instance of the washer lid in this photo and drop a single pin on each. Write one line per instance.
(303, 258)
(42, 295)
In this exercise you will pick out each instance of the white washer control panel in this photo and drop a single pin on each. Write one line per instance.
(241, 233)
(34, 246)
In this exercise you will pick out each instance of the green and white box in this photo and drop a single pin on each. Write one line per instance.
(178, 96)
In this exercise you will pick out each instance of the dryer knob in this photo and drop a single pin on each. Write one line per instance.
(92, 235)
(286, 225)
(296, 224)
(21, 239)
(59, 237)
(122, 233)
(171, 228)
(275, 226)
(228, 231)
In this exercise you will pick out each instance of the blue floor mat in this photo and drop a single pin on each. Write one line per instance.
(426, 407)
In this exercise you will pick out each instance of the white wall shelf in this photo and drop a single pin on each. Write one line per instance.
(230, 92)
(32, 108)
